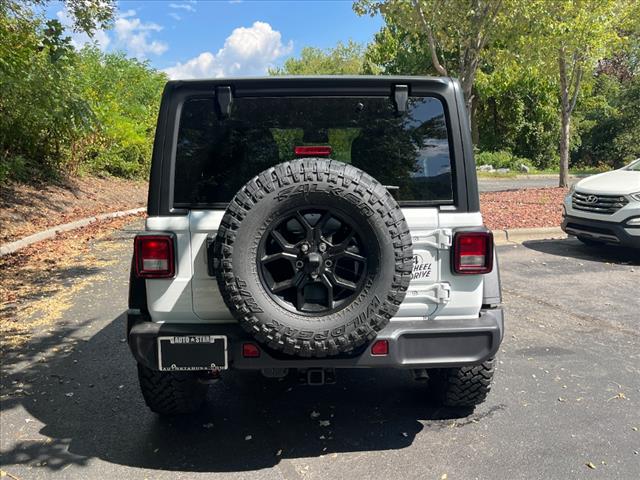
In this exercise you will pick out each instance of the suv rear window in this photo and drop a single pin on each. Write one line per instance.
(409, 152)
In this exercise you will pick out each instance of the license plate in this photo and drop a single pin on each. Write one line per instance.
(192, 352)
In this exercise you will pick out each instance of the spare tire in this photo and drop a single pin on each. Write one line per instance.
(314, 257)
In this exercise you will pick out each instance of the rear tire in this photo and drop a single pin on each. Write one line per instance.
(463, 386)
(169, 393)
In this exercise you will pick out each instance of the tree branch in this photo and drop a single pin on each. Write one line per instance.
(490, 16)
(432, 43)
(564, 89)
(576, 88)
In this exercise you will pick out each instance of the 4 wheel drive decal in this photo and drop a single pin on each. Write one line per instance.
(421, 268)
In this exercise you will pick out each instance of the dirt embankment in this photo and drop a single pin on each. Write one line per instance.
(28, 209)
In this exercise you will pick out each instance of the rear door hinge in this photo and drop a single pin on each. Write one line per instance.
(224, 99)
(213, 264)
(401, 97)
(440, 238)
(438, 293)
(442, 293)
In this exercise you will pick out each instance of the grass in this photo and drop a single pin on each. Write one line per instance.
(572, 171)
(548, 171)
(497, 175)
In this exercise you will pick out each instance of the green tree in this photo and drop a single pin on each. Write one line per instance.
(396, 51)
(41, 108)
(124, 95)
(512, 107)
(87, 15)
(568, 39)
(456, 32)
(517, 61)
(64, 112)
(517, 112)
(343, 59)
(611, 123)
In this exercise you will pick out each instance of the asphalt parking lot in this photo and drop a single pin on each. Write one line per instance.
(564, 405)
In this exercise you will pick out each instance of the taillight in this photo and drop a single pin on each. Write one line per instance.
(381, 347)
(250, 350)
(154, 256)
(472, 252)
(313, 151)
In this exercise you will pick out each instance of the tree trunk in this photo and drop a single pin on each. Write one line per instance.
(565, 119)
(564, 148)
(466, 82)
(475, 134)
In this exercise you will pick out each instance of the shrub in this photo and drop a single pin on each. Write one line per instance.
(502, 159)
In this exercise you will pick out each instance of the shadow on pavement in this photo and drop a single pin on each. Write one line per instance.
(571, 247)
(86, 397)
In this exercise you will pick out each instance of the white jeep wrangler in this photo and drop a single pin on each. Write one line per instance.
(310, 224)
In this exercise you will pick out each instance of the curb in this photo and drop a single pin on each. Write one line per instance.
(500, 236)
(12, 247)
(519, 235)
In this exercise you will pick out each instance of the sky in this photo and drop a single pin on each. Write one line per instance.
(199, 39)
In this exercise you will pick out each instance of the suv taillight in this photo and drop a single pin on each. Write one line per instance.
(154, 256)
(472, 252)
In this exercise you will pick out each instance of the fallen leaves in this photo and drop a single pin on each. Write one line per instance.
(38, 284)
(4, 474)
(618, 396)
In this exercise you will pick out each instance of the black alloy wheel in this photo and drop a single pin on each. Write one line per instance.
(312, 261)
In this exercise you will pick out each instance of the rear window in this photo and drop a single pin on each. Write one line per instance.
(408, 152)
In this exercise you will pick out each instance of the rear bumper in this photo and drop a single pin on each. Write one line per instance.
(608, 232)
(412, 343)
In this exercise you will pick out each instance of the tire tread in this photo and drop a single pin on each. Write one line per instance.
(464, 386)
(169, 393)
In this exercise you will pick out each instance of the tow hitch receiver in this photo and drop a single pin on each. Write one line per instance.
(317, 376)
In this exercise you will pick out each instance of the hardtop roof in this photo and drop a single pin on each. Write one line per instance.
(311, 81)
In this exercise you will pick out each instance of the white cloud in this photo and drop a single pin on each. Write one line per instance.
(100, 38)
(247, 51)
(134, 36)
(175, 16)
(127, 13)
(129, 33)
(184, 6)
